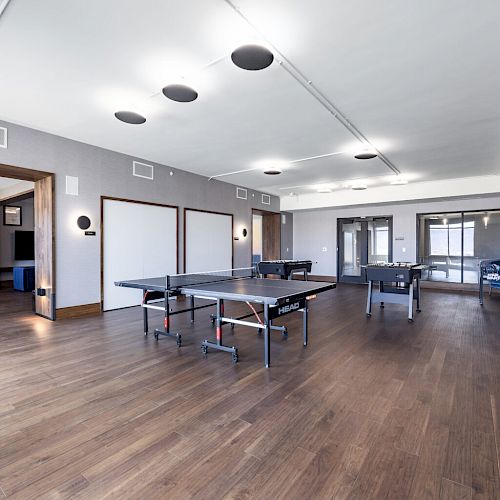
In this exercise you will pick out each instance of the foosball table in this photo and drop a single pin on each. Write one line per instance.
(489, 271)
(399, 283)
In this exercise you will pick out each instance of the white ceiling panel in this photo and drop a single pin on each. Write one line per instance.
(420, 80)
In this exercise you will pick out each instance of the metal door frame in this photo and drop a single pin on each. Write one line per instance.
(364, 242)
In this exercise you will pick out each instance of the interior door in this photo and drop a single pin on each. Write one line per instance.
(271, 236)
(351, 250)
(362, 241)
(44, 248)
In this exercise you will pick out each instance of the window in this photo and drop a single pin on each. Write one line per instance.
(453, 244)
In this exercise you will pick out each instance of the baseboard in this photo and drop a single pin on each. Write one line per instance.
(79, 311)
(6, 284)
(450, 287)
(316, 277)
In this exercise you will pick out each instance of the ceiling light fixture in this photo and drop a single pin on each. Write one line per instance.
(399, 182)
(273, 171)
(130, 117)
(366, 154)
(252, 57)
(180, 93)
(359, 187)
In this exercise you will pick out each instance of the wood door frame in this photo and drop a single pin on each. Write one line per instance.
(258, 211)
(206, 212)
(27, 174)
(138, 202)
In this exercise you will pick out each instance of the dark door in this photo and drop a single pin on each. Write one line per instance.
(362, 241)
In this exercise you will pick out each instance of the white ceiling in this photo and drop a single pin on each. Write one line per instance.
(12, 187)
(420, 80)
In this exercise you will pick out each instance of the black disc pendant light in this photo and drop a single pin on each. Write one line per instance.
(252, 57)
(180, 93)
(365, 155)
(130, 117)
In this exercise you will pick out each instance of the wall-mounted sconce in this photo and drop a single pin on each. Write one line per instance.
(83, 222)
(244, 233)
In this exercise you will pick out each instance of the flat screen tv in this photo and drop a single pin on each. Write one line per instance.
(24, 245)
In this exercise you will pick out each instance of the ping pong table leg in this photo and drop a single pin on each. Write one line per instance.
(305, 322)
(267, 337)
(192, 308)
(369, 299)
(418, 295)
(145, 313)
(218, 326)
(480, 289)
(410, 303)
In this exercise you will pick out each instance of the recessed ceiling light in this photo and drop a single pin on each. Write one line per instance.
(324, 190)
(130, 117)
(273, 171)
(180, 93)
(399, 182)
(359, 187)
(252, 57)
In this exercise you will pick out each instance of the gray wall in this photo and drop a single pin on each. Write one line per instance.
(7, 237)
(104, 172)
(316, 230)
(287, 236)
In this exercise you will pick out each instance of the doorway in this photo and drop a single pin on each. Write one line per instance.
(266, 236)
(362, 241)
(43, 227)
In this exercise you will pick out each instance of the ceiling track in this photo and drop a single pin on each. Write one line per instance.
(3, 6)
(309, 86)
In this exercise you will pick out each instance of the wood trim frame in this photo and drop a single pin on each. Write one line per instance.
(258, 211)
(44, 181)
(139, 202)
(23, 174)
(206, 212)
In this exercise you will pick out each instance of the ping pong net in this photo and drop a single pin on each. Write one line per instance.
(179, 281)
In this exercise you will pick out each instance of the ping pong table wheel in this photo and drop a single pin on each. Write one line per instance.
(381, 306)
(204, 350)
(259, 331)
(284, 333)
(234, 357)
(156, 335)
(419, 310)
(232, 326)
(368, 315)
(410, 320)
(179, 340)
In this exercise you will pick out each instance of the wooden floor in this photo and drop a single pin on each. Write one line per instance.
(372, 408)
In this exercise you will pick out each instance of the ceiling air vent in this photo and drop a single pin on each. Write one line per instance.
(3, 137)
(266, 199)
(143, 170)
(241, 193)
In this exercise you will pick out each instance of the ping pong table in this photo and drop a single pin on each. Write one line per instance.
(277, 298)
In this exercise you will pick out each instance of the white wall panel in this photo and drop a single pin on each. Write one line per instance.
(209, 241)
(140, 241)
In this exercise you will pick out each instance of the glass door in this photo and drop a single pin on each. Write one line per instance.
(362, 241)
(350, 250)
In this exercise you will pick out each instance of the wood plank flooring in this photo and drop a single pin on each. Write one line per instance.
(372, 408)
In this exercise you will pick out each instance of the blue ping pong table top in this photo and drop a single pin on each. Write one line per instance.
(260, 290)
